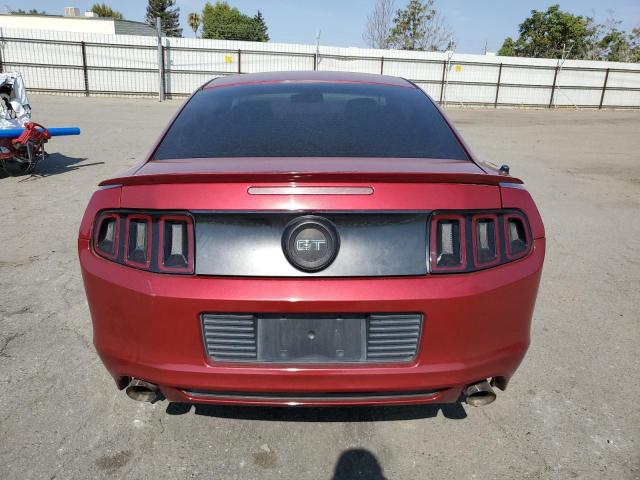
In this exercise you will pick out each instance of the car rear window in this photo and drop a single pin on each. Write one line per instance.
(310, 120)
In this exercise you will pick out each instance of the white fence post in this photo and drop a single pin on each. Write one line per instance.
(160, 61)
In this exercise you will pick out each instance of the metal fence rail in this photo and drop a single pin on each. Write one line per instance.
(98, 68)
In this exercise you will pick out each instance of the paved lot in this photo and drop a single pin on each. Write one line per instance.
(572, 410)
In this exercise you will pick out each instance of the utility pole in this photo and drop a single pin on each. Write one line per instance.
(160, 61)
(317, 62)
(450, 52)
(565, 54)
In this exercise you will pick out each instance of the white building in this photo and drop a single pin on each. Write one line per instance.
(75, 23)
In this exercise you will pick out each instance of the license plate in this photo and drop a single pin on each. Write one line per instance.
(311, 338)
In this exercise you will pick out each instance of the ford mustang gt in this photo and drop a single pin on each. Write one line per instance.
(311, 238)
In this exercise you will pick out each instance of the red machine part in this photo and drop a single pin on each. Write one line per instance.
(32, 132)
(21, 154)
(6, 149)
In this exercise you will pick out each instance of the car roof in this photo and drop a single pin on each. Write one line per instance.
(307, 76)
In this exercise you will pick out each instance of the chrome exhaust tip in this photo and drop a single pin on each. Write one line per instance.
(142, 391)
(479, 394)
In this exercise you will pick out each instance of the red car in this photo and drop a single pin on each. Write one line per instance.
(311, 238)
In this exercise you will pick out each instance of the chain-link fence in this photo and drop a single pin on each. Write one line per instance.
(126, 65)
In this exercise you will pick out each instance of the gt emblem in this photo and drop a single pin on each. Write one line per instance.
(309, 245)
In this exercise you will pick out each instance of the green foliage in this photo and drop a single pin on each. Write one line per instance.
(104, 10)
(508, 48)
(194, 20)
(169, 16)
(221, 21)
(418, 27)
(33, 11)
(634, 44)
(261, 27)
(545, 34)
(613, 46)
(408, 31)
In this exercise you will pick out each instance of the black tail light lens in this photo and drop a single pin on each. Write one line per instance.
(518, 241)
(475, 240)
(107, 235)
(447, 241)
(137, 242)
(161, 242)
(176, 244)
(486, 240)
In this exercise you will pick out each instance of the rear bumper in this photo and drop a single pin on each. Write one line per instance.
(476, 326)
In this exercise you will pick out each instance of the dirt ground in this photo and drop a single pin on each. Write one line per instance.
(571, 411)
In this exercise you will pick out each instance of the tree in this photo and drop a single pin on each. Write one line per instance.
(169, 16)
(419, 27)
(546, 34)
(104, 10)
(613, 47)
(378, 26)
(261, 27)
(634, 43)
(613, 43)
(33, 11)
(222, 21)
(193, 19)
(508, 48)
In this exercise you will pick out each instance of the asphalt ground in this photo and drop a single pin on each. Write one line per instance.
(571, 411)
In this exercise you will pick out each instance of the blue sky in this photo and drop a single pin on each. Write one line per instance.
(341, 21)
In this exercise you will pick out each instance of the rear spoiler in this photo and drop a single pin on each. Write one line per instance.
(310, 177)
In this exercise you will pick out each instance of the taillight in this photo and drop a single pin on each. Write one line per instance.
(486, 240)
(447, 241)
(518, 241)
(137, 242)
(156, 241)
(475, 240)
(175, 253)
(106, 237)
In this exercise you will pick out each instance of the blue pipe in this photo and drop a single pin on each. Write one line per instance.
(54, 132)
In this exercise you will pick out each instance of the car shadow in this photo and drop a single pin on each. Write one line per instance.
(55, 164)
(454, 411)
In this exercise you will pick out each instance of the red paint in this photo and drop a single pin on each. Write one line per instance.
(147, 325)
(386, 196)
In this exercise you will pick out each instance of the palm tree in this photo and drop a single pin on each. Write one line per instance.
(193, 19)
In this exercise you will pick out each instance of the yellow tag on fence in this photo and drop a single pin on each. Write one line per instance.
(458, 68)
(228, 59)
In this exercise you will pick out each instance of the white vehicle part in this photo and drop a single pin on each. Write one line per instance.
(15, 110)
